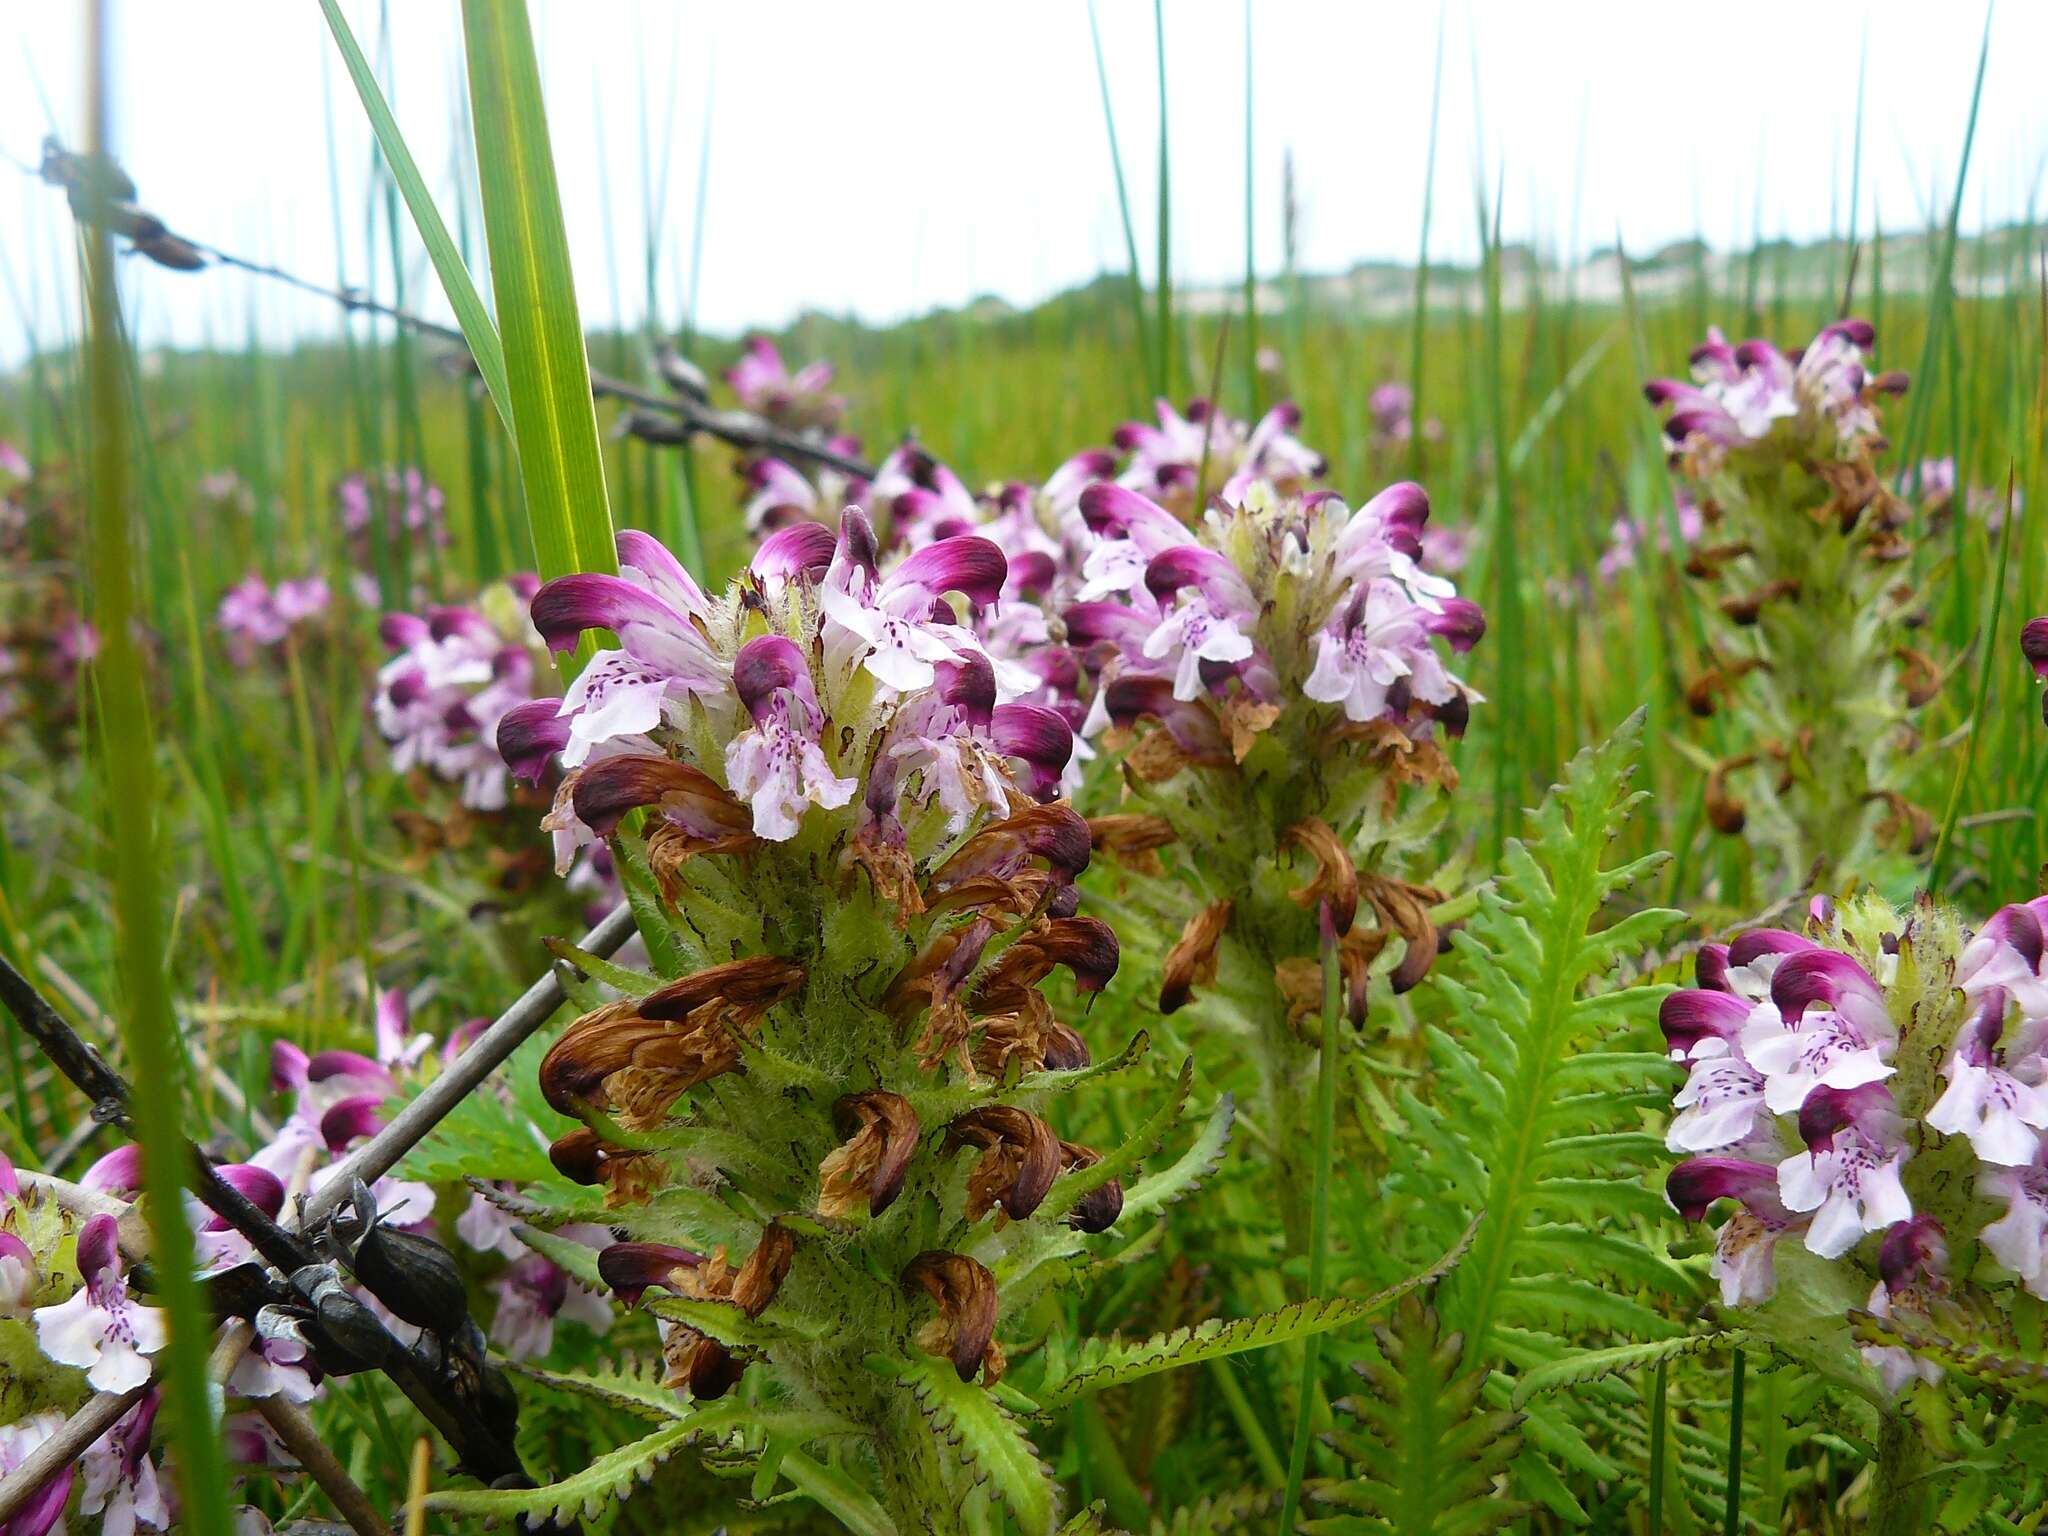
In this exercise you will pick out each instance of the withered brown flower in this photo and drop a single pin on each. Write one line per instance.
(1335, 882)
(964, 1330)
(639, 1055)
(1192, 960)
(1020, 1157)
(867, 1169)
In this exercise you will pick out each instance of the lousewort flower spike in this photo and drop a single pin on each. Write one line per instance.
(1269, 681)
(1799, 553)
(832, 1123)
(1864, 1099)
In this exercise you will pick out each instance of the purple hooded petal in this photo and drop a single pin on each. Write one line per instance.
(14, 1249)
(1462, 622)
(118, 1173)
(969, 685)
(288, 1066)
(99, 1249)
(1698, 1182)
(1767, 941)
(1194, 565)
(325, 1065)
(1819, 976)
(631, 1269)
(764, 667)
(800, 549)
(350, 1118)
(401, 631)
(43, 1511)
(1710, 967)
(2018, 928)
(1094, 623)
(1192, 726)
(531, 733)
(1041, 738)
(661, 571)
(568, 605)
(1401, 510)
(1914, 1251)
(970, 565)
(1692, 1016)
(10, 1186)
(2034, 645)
(1828, 1110)
(259, 1186)
(446, 623)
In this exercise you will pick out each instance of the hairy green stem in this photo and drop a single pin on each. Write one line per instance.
(1898, 1493)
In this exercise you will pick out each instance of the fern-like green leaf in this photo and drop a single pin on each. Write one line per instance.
(1104, 1363)
(988, 1439)
(1595, 1364)
(610, 1477)
(725, 1322)
(1185, 1174)
(1070, 1187)
(1428, 1455)
(1552, 1149)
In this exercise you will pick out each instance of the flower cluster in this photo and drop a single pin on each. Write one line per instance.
(253, 615)
(1938, 482)
(1798, 553)
(403, 499)
(1169, 461)
(849, 816)
(457, 673)
(1874, 1092)
(1270, 682)
(801, 400)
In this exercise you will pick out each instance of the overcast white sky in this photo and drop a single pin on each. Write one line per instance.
(886, 157)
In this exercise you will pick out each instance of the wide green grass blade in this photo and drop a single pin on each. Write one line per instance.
(554, 421)
(131, 797)
(463, 298)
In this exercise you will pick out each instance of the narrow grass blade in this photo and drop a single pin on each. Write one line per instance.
(554, 421)
(463, 298)
(1939, 295)
(1415, 347)
(1986, 661)
(1162, 282)
(128, 751)
(1123, 206)
(1731, 1519)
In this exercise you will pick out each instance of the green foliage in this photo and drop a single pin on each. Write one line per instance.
(1099, 1363)
(611, 1476)
(986, 1438)
(1536, 1120)
(547, 372)
(1427, 1458)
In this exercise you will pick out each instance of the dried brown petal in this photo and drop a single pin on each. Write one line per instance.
(1404, 909)
(1053, 836)
(603, 792)
(1020, 1157)
(966, 1296)
(765, 1270)
(1086, 946)
(1192, 960)
(1918, 675)
(1746, 610)
(1132, 840)
(1903, 816)
(1244, 720)
(866, 1171)
(1724, 810)
(1335, 882)
(1097, 1210)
